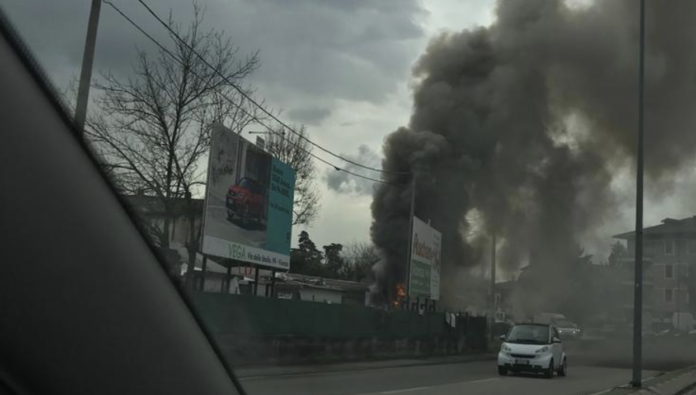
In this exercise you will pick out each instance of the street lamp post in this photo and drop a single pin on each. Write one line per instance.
(638, 286)
(409, 254)
(492, 301)
(681, 280)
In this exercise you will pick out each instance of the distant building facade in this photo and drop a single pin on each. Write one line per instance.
(671, 250)
(152, 215)
(151, 211)
(215, 276)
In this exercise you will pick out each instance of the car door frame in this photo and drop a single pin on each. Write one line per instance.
(556, 348)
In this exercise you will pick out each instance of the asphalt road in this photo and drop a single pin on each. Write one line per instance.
(471, 378)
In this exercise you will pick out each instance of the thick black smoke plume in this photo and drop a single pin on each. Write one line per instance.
(526, 122)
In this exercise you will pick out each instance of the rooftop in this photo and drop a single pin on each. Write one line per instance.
(505, 285)
(153, 205)
(531, 324)
(669, 226)
(321, 282)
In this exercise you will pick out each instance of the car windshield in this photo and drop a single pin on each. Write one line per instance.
(412, 178)
(250, 185)
(528, 334)
(565, 324)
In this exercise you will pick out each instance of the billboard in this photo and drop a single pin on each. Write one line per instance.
(248, 203)
(424, 270)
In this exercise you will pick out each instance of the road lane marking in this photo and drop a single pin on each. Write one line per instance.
(483, 380)
(404, 390)
(425, 388)
(603, 392)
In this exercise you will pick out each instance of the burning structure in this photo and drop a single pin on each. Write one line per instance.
(527, 122)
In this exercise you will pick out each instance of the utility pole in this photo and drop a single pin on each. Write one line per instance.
(492, 289)
(678, 293)
(86, 73)
(638, 287)
(412, 212)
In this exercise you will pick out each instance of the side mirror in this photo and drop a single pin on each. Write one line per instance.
(555, 340)
(502, 337)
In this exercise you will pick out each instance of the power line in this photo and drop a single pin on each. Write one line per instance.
(246, 96)
(255, 118)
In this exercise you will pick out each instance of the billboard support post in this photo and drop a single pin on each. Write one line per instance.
(204, 269)
(273, 283)
(256, 280)
(228, 278)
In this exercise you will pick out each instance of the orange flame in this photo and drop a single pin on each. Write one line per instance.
(400, 295)
(400, 291)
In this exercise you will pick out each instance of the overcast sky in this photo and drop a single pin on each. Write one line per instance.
(340, 67)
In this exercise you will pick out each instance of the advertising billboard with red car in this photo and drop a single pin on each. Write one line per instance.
(249, 201)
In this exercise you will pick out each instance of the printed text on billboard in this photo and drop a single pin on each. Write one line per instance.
(425, 261)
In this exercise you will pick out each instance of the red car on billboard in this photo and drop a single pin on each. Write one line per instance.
(246, 200)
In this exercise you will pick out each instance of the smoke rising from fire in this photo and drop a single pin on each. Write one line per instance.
(526, 121)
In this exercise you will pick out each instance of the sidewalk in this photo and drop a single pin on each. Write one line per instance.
(251, 373)
(669, 383)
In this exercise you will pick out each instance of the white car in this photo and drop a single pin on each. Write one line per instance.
(532, 348)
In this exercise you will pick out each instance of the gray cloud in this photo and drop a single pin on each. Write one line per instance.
(351, 50)
(55, 33)
(343, 182)
(356, 50)
(309, 115)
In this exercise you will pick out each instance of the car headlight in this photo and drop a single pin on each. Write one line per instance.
(505, 348)
(542, 350)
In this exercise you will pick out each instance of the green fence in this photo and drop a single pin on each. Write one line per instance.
(248, 315)
(253, 330)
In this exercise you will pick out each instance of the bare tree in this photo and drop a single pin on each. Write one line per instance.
(153, 128)
(295, 150)
(360, 257)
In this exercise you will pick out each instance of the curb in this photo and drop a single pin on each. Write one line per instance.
(482, 357)
(678, 384)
